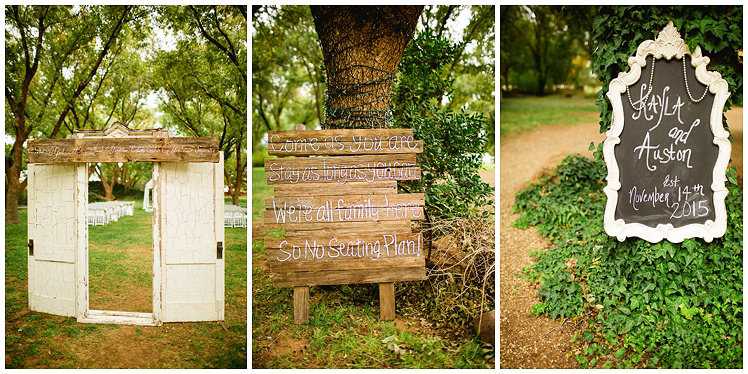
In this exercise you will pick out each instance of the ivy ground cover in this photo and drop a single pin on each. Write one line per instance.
(639, 305)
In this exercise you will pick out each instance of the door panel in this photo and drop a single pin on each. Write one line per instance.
(52, 225)
(188, 209)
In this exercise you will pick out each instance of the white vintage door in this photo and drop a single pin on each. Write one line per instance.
(190, 210)
(57, 230)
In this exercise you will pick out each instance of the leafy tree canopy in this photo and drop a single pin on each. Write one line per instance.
(85, 67)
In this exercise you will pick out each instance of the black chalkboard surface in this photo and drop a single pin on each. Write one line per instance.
(667, 151)
(666, 155)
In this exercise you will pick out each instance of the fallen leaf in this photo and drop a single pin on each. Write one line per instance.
(389, 339)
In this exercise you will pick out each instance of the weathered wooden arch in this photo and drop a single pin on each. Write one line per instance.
(188, 232)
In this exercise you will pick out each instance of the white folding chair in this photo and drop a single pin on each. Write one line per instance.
(100, 217)
(238, 219)
(91, 218)
(228, 220)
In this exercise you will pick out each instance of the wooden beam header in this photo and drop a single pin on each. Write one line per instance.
(123, 150)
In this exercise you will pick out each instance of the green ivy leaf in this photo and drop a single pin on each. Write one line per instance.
(672, 267)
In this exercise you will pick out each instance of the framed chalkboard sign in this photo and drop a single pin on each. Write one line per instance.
(667, 151)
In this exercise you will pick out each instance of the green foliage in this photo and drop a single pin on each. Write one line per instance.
(97, 193)
(544, 45)
(287, 70)
(620, 29)
(84, 67)
(539, 308)
(674, 305)
(454, 140)
(258, 157)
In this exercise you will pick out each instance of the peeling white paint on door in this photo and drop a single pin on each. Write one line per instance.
(189, 209)
(53, 235)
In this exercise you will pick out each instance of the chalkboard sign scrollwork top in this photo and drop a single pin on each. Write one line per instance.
(667, 151)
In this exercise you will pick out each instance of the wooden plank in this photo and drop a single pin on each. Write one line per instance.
(340, 162)
(301, 202)
(323, 189)
(123, 150)
(321, 135)
(332, 142)
(387, 301)
(332, 277)
(351, 252)
(336, 240)
(291, 216)
(341, 264)
(343, 176)
(121, 318)
(346, 228)
(301, 305)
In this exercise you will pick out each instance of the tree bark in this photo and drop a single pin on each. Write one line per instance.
(362, 47)
(239, 171)
(14, 165)
(15, 186)
(108, 187)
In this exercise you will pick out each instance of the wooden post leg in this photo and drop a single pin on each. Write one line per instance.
(301, 305)
(387, 301)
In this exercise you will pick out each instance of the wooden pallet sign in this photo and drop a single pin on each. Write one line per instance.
(344, 221)
(667, 151)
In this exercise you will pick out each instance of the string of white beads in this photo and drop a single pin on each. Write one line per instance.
(646, 97)
(685, 79)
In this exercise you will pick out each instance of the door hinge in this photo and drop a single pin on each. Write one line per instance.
(219, 250)
(31, 247)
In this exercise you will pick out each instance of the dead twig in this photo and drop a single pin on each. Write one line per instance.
(555, 328)
(19, 315)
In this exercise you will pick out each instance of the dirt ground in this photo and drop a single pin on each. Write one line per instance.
(527, 341)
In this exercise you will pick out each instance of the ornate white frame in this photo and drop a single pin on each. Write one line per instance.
(669, 44)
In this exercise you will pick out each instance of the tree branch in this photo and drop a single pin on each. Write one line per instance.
(220, 46)
(91, 74)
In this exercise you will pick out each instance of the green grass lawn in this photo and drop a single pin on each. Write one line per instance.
(522, 114)
(344, 331)
(120, 258)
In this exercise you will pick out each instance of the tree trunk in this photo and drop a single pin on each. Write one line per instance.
(15, 187)
(13, 168)
(108, 187)
(239, 171)
(362, 46)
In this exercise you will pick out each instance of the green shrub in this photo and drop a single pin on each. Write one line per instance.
(453, 141)
(455, 196)
(673, 305)
(258, 157)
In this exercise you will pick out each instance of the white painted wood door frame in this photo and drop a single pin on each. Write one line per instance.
(48, 259)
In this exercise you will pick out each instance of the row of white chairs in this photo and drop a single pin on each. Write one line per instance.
(235, 220)
(100, 214)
